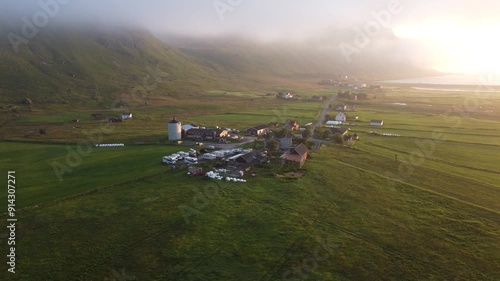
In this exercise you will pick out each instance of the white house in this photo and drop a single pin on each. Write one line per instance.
(341, 117)
(376, 123)
(126, 116)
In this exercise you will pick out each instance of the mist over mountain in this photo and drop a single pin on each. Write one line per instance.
(334, 53)
(84, 54)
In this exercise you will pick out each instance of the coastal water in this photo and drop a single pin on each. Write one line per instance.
(455, 79)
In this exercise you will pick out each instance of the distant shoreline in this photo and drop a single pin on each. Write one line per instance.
(456, 82)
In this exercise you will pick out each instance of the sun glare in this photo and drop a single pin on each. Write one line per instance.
(458, 48)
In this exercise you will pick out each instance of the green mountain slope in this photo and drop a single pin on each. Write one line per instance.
(90, 66)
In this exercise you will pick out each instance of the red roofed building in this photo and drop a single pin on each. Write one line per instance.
(296, 156)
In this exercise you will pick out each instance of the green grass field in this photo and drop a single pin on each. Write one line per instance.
(356, 214)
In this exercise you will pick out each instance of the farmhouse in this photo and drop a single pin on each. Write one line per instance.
(296, 156)
(206, 134)
(376, 123)
(286, 96)
(292, 125)
(341, 117)
(340, 107)
(341, 131)
(258, 130)
(126, 116)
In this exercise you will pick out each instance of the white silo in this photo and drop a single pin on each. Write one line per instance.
(174, 130)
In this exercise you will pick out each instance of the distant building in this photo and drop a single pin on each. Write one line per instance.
(376, 123)
(296, 156)
(341, 117)
(285, 143)
(188, 127)
(286, 95)
(258, 130)
(245, 161)
(340, 107)
(206, 134)
(174, 130)
(126, 116)
(292, 125)
(341, 131)
(333, 123)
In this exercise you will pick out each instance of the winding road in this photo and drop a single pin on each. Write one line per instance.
(320, 121)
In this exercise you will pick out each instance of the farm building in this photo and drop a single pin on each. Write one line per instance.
(341, 131)
(206, 134)
(285, 143)
(341, 117)
(340, 107)
(126, 116)
(258, 130)
(292, 125)
(245, 161)
(333, 123)
(286, 95)
(376, 123)
(296, 156)
(174, 130)
(188, 127)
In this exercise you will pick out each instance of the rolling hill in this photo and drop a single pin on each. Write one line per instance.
(90, 66)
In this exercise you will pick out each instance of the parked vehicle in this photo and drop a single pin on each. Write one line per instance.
(199, 144)
(168, 160)
(209, 156)
(190, 160)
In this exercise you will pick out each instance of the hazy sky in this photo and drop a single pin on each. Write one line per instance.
(462, 35)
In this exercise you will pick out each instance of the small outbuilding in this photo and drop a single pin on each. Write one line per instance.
(377, 123)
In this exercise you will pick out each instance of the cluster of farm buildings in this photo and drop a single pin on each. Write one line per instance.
(291, 155)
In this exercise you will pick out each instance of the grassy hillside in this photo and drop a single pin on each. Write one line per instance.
(91, 66)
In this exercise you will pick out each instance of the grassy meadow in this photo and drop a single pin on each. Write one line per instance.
(358, 213)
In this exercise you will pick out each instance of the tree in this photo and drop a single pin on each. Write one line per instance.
(306, 133)
(283, 132)
(338, 138)
(273, 145)
(326, 134)
(42, 131)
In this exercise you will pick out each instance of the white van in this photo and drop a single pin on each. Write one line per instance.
(168, 160)
(209, 156)
(191, 160)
